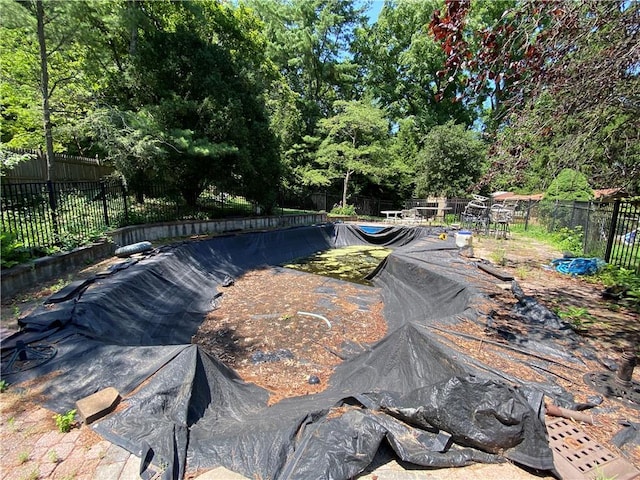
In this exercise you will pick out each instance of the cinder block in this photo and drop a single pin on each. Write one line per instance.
(98, 405)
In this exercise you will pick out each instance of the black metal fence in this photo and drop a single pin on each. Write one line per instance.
(610, 229)
(364, 206)
(43, 215)
(64, 215)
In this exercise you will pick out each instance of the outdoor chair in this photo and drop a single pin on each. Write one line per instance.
(500, 217)
(409, 216)
(475, 216)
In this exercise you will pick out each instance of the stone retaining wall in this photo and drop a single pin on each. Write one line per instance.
(150, 232)
(21, 277)
(24, 276)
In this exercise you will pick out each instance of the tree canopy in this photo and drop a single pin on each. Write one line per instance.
(452, 160)
(354, 143)
(431, 97)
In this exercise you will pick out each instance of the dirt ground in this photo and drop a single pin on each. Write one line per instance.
(290, 342)
(606, 324)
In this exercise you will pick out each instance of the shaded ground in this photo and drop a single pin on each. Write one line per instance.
(607, 325)
(251, 326)
(604, 325)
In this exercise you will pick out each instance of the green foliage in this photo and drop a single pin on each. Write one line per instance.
(65, 421)
(569, 185)
(53, 456)
(3, 385)
(354, 141)
(208, 116)
(32, 475)
(452, 159)
(23, 457)
(12, 252)
(556, 208)
(622, 283)
(569, 240)
(8, 159)
(401, 62)
(308, 41)
(72, 64)
(546, 59)
(499, 257)
(564, 239)
(577, 317)
(344, 210)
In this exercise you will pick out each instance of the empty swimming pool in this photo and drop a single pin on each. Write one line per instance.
(132, 328)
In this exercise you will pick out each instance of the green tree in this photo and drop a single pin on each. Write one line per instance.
(569, 185)
(353, 144)
(403, 153)
(530, 152)
(212, 119)
(185, 102)
(309, 42)
(133, 142)
(400, 64)
(563, 77)
(48, 74)
(451, 161)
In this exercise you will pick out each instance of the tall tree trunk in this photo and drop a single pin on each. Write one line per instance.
(133, 41)
(44, 85)
(346, 186)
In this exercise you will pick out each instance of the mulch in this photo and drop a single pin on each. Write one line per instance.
(286, 330)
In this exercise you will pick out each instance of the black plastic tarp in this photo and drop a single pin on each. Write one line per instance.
(131, 329)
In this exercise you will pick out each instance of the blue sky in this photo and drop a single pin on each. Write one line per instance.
(374, 10)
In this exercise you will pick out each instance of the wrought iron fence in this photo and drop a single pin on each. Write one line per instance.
(623, 242)
(364, 206)
(609, 228)
(65, 215)
(68, 214)
(43, 215)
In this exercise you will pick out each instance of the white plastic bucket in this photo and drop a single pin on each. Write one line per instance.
(464, 238)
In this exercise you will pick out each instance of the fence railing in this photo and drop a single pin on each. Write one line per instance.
(68, 214)
(365, 206)
(64, 215)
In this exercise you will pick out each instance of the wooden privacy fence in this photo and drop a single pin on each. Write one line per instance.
(65, 168)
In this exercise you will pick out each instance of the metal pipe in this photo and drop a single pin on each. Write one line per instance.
(625, 368)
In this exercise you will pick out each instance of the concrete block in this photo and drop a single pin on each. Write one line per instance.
(98, 405)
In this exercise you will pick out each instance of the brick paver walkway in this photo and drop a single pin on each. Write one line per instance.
(31, 447)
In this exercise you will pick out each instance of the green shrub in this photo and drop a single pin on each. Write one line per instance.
(569, 239)
(345, 210)
(12, 252)
(556, 208)
(623, 283)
